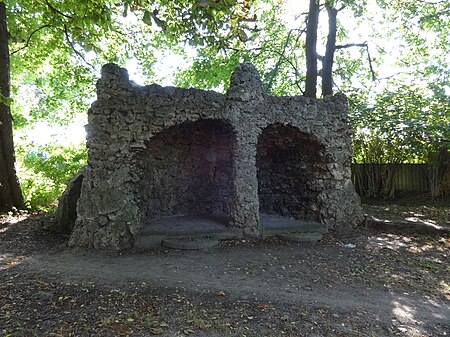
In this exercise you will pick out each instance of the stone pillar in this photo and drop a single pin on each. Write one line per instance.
(244, 95)
(108, 217)
(245, 210)
(245, 84)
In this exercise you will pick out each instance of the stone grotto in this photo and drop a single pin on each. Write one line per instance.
(242, 161)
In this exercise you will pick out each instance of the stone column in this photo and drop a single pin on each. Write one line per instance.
(244, 96)
(245, 210)
(108, 217)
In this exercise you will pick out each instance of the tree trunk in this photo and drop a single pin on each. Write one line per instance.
(311, 49)
(327, 62)
(439, 172)
(10, 193)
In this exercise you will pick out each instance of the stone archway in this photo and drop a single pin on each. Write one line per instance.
(187, 171)
(290, 169)
(173, 153)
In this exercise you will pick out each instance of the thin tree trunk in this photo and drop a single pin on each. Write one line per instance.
(10, 193)
(311, 49)
(327, 62)
(439, 172)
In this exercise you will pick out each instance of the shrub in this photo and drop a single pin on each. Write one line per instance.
(45, 170)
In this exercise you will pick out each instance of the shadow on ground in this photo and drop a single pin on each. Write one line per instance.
(372, 284)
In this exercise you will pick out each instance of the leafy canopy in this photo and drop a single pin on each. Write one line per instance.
(395, 70)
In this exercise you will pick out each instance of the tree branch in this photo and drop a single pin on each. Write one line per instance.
(363, 45)
(57, 10)
(287, 60)
(282, 56)
(349, 45)
(437, 2)
(29, 38)
(66, 33)
(370, 63)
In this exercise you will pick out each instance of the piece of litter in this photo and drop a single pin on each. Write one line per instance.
(350, 245)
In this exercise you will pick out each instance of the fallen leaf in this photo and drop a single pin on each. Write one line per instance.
(261, 306)
(156, 331)
(122, 330)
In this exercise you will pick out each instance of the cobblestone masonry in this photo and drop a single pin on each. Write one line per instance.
(163, 151)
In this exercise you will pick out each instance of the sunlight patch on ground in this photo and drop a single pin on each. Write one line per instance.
(8, 260)
(403, 312)
(8, 221)
(396, 242)
(14, 220)
(382, 220)
(444, 288)
(424, 221)
(405, 319)
(6, 218)
(390, 241)
(421, 249)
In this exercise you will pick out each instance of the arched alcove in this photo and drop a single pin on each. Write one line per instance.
(187, 171)
(290, 169)
(149, 179)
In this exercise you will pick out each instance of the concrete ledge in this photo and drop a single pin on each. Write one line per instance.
(219, 235)
(316, 228)
(300, 237)
(149, 242)
(190, 244)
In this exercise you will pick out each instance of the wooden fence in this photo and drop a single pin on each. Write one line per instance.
(408, 177)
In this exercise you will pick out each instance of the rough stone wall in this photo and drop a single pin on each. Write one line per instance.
(66, 213)
(290, 167)
(187, 170)
(157, 151)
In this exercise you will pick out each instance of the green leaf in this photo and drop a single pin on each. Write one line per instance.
(147, 18)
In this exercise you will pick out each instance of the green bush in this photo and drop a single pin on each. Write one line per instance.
(45, 170)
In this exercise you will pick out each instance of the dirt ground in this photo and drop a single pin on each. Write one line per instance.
(372, 284)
